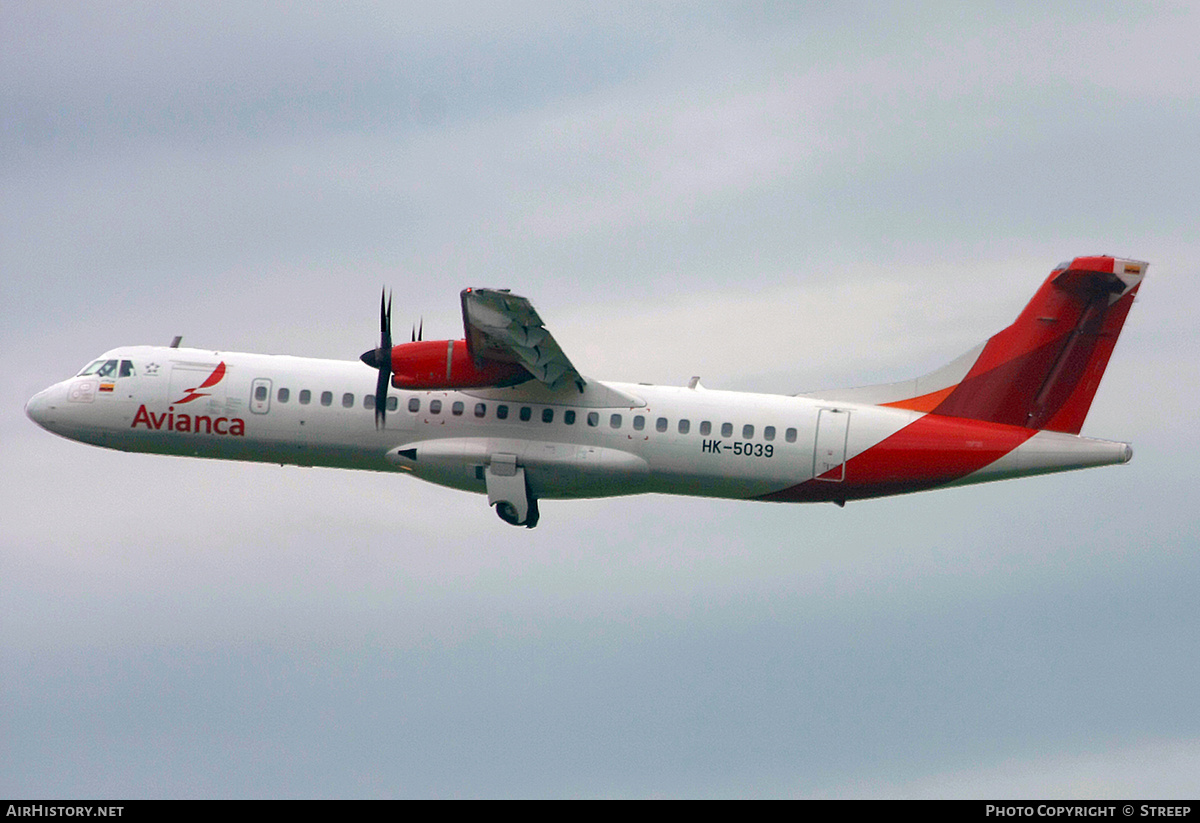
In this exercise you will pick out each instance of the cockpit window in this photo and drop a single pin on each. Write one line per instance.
(102, 368)
(126, 368)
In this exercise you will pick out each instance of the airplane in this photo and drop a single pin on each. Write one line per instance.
(504, 412)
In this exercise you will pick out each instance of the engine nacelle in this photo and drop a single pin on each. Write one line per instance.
(445, 364)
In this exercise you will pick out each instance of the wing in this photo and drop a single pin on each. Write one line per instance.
(504, 327)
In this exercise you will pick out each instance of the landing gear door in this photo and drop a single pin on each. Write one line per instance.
(508, 491)
(829, 456)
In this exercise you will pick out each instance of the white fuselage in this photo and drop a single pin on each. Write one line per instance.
(609, 439)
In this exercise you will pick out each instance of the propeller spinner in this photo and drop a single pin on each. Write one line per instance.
(381, 359)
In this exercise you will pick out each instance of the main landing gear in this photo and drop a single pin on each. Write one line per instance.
(508, 491)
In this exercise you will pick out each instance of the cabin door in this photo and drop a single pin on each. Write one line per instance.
(829, 456)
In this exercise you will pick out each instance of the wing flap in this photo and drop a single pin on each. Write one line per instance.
(504, 327)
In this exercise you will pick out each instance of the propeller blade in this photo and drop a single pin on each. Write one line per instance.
(385, 321)
(381, 387)
(381, 358)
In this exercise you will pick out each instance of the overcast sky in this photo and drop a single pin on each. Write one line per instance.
(778, 198)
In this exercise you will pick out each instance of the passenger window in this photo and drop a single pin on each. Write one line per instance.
(526, 414)
(727, 430)
(569, 417)
(639, 422)
(305, 397)
(769, 433)
(502, 412)
(414, 404)
(593, 419)
(547, 415)
(747, 432)
(283, 395)
(661, 424)
(790, 435)
(326, 398)
(260, 393)
(368, 401)
(456, 408)
(393, 403)
(615, 421)
(480, 409)
(126, 368)
(684, 425)
(705, 428)
(435, 406)
(347, 401)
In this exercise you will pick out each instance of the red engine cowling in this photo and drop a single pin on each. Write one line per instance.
(445, 364)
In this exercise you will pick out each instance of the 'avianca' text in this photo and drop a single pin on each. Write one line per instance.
(196, 424)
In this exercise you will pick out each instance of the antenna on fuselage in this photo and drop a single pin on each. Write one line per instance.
(178, 339)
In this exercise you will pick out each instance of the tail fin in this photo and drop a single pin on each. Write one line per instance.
(1042, 371)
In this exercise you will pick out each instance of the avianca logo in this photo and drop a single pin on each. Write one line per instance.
(189, 423)
(213, 379)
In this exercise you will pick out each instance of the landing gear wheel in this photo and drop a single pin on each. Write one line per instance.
(531, 519)
(507, 512)
(508, 490)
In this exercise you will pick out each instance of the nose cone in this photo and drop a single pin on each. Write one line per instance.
(44, 408)
(38, 407)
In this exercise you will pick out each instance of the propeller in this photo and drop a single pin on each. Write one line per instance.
(381, 359)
